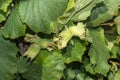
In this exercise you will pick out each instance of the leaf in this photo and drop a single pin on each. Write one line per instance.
(117, 21)
(22, 65)
(8, 60)
(71, 4)
(117, 75)
(99, 53)
(111, 76)
(69, 73)
(82, 75)
(83, 14)
(38, 14)
(75, 52)
(115, 51)
(13, 27)
(114, 76)
(2, 18)
(111, 38)
(53, 67)
(77, 10)
(43, 43)
(103, 12)
(4, 4)
(46, 66)
(56, 26)
(32, 51)
(65, 35)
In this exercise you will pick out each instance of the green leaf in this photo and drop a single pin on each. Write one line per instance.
(111, 76)
(111, 38)
(13, 27)
(38, 14)
(103, 12)
(117, 75)
(22, 65)
(82, 75)
(46, 66)
(4, 4)
(117, 21)
(114, 76)
(115, 51)
(77, 10)
(8, 59)
(75, 52)
(32, 51)
(84, 13)
(99, 53)
(56, 26)
(70, 74)
(43, 43)
(2, 18)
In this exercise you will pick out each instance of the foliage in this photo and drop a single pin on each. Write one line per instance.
(60, 39)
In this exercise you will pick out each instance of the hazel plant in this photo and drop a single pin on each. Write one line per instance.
(60, 42)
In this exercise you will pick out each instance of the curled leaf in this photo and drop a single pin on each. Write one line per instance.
(68, 33)
(43, 43)
(31, 38)
(78, 30)
(65, 36)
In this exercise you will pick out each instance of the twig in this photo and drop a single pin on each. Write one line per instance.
(116, 63)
